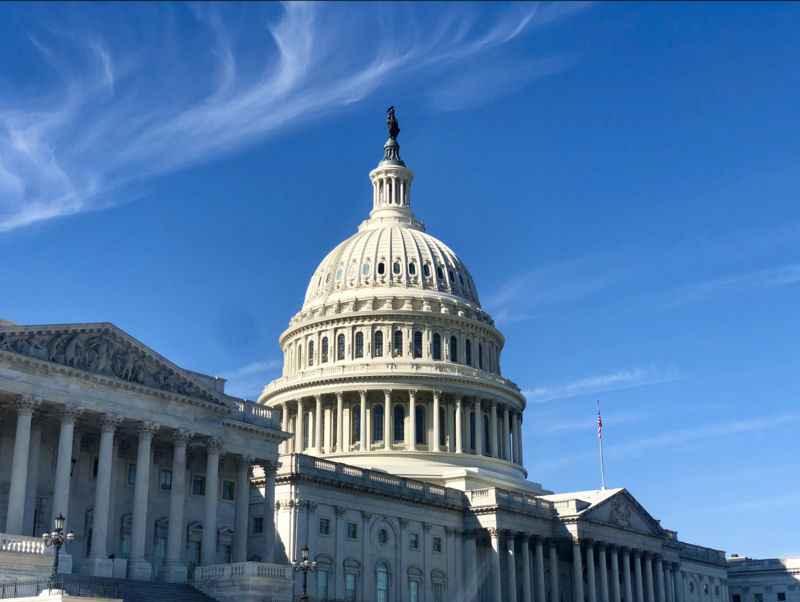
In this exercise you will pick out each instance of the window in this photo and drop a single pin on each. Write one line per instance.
(472, 431)
(438, 592)
(352, 530)
(382, 583)
(437, 346)
(419, 418)
(378, 352)
(737, 598)
(453, 349)
(781, 597)
(426, 269)
(383, 537)
(198, 485)
(324, 349)
(413, 591)
(377, 424)
(131, 474)
(356, 413)
(350, 587)
(228, 490)
(450, 273)
(365, 269)
(468, 352)
(359, 344)
(486, 450)
(258, 525)
(396, 267)
(461, 279)
(311, 353)
(322, 584)
(299, 357)
(340, 347)
(437, 544)
(705, 588)
(324, 526)
(413, 541)
(338, 274)
(381, 268)
(398, 343)
(418, 344)
(439, 273)
(442, 421)
(756, 597)
(95, 462)
(165, 480)
(691, 589)
(351, 271)
(480, 356)
(399, 427)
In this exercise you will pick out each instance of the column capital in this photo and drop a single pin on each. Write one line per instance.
(340, 510)
(362, 394)
(403, 523)
(412, 393)
(524, 536)
(637, 553)
(25, 404)
(110, 422)
(215, 445)
(494, 532)
(318, 397)
(437, 394)
(367, 516)
(268, 467)
(243, 459)
(312, 506)
(449, 531)
(69, 413)
(387, 393)
(426, 527)
(181, 436)
(339, 396)
(459, 398)
(147, 429)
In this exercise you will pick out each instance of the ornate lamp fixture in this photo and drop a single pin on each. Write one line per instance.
(305, 566)
(57, 539)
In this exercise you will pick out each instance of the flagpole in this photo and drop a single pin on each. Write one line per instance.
(600, 439)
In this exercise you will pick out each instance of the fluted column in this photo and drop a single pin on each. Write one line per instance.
(497, 586)
(32, 478)
(470, 569)
(626, 575)
(678, 578)
(268, 554)
(637, 575)
(506, 434)
(174, 570)
(649, 588)
(478, 427)
(493, 431)
(527, 593)
(138, 567)
(339, 422)
(210, 502)
(434, 445)
(590, 581)
(19, 464)
(64, 461)
(284, 446)
(412, 421)
(602, 568)
(363, 444)
(517, 422)
(97, 563)
(388, 434)
(553, 553)
(299, 429)
(318, 420)
(661, 594)
(615, 593)
(671, 584)
(511, 567)
(459, 426)
(577, 571)
(539, 585)
(241, 518)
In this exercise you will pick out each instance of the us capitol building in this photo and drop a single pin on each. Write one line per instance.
(390, 446)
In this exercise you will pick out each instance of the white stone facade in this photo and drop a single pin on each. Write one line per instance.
(764, 580)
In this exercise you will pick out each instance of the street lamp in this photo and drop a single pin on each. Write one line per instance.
(305, 566)
(57, 539)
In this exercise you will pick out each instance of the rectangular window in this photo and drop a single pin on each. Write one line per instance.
(737, 598)
(437, 544)
(322, 585)
(131, 474)
(95, 463)
(350, 587)
(228, 490)
(165, 480)
(781, 597)
(324, 526)
(352, 530)
(413, 541)
(258, 525)
(758, 597)
(438, 592)
(413, 591)
(198, 485)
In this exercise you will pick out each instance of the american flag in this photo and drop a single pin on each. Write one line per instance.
(599, 425)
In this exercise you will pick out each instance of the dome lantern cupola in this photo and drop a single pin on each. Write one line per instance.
(391, 180)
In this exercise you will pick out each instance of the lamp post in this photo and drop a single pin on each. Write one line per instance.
(57, 539)
(305, 566)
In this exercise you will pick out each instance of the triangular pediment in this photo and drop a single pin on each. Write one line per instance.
(104, 349)
(623, 511)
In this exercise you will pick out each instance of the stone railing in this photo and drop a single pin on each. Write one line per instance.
(400, 367)
(242, 569)
(509, 499)
(24, 545)
(253, 413)
(692, 552)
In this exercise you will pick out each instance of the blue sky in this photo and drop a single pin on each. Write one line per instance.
(621, 179)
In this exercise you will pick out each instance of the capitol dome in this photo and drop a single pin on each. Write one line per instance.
(391, 363)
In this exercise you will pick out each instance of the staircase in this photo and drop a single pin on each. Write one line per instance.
(130, 590)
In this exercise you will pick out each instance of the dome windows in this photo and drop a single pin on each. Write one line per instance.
(417, 344)
(396, 268)
(324, 349)
(378, 344)
(398, 343)
(468, 352)
(426, 269)
(338, 274)
(359, 344)
(351, 271)
(412, 268)
(381, 268)
(461, 279)
(311, 353)
(365, 269)
(439, 273)
(450, 273)
(453, 349)
(340, 347)
(437, 346)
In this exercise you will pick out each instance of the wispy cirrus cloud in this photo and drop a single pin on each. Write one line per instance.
(124, 109)
(249, 380)
(623, 379)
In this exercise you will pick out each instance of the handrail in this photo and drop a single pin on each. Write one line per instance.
(72, 585)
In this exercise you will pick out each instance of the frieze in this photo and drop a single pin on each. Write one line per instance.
(620, 513)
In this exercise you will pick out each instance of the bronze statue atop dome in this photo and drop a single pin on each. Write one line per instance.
(391, 123)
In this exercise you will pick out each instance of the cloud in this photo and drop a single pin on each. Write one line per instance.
(249, 380)
(624, 379)
(163, 94)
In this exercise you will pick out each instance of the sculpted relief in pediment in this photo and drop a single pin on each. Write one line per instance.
(101, 354)
(620, 513)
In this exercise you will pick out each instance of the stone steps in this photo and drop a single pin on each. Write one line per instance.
(131, 590)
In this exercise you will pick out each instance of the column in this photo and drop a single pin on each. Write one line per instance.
(299, 429)
(506, 435)
(401, 551)
(327, 421)
(615, 593)
(98, 563)
(678, 579)
(637, 575)
(362, 417)
(340, 422)
(32, 478)
(210, 503)
(284, 426)
(470, 569)
(459, 426)
(660, 590)
(367, 583)
(648, 578)
(527, 594)
(268, 553)
(241, 519)
(426, 555)
(411, 436)
(511, 567)
(64, 462)
(174, 570)
(388, 435)
(478, 427)
(19, 466)
(138, 567)
(436, 426)
(577, 571)
(601, 551)
(336, 581)
(671, 584)
(626, 575)
(540, 589)
(517, 427)
(553, 552)
(318, 424)
(497, 588)
(493, 431)
(591, 584)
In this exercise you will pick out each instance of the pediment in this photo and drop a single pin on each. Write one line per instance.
(623, 511)
(105, 350)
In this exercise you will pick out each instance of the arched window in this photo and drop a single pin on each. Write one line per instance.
(419, 416)
(439, 273)
(412, 268)
(398, 343)
(399, 426)
(356, 426)
(340, 347)
(396, 267)
(486, 450)
(418, 344)
(480, 356)
(359, 344)
(324, 349)
(468, 353)
(453, 349)
(365, 269)
(378, 346)
(382, 583)
(437, 346)
(311, 353)
(377, 424)
(442, 422)
(426, 269)
(472, 431)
